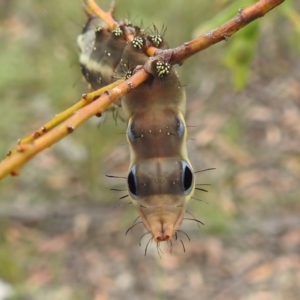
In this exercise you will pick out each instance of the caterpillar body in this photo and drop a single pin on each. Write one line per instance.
(160, 179)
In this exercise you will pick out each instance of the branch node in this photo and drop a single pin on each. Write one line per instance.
(70, 128)
(8, 153)
(131, 85)
(14, 173)
(36, 135)
(186, 47)
(22, 147)
(44, 129)
(210, 34)
(84, 96)
(240, 18)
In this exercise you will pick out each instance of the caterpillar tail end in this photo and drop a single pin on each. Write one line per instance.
(162, 232)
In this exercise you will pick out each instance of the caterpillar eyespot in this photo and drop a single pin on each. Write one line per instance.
(132, 183)
(160, 180)
(187, 177)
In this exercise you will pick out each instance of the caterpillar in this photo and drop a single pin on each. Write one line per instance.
(160, 179)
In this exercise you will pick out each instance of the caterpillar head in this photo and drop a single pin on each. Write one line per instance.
(161, 188)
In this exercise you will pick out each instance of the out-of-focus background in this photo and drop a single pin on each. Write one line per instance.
(62, 233)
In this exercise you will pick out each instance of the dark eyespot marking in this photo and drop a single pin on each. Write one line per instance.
(130, 132)
(186, 177)
(132, 182)
(180, 127)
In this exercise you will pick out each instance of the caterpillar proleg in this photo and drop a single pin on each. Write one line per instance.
(160, 178)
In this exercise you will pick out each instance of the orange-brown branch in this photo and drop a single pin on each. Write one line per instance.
(59, 118)
(13, 163)
(105, 16)
(244, 17)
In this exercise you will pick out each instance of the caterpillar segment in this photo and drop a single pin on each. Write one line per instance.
(160, 178)
(101, 51)
(90, 52)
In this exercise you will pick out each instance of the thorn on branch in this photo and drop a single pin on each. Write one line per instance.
(44, 129)
(8, 153)
(84, 96)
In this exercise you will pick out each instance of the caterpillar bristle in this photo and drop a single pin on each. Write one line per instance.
(149, 242)
(130, 228)
(156, 37)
